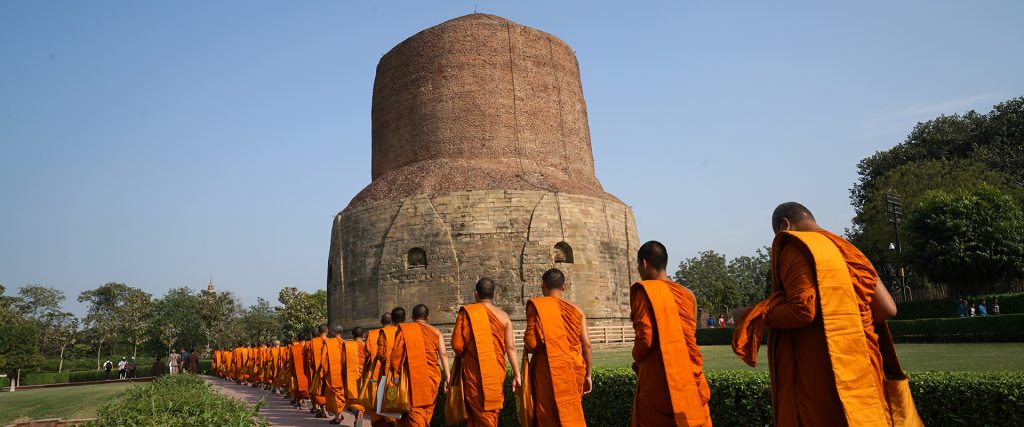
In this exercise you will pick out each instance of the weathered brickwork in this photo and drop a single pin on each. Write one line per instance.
(481, 161)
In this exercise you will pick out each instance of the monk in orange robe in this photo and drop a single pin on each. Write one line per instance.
(670, 389)
(257, 364)
(556, 335)
(352, 366)
(240, 364)
(823, 352)
(418, 347)
(334, 383)
(381, 352)
(317, 369)
(481, 339)
(299, 386)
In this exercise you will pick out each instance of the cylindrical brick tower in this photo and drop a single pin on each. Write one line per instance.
(482, 166)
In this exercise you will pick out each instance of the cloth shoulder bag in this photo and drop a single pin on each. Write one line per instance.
(455, 402)
(524, 396)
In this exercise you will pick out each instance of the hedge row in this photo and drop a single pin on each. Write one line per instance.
(1011, 303)
(177, 400)
(1003, 328)
(743, 398)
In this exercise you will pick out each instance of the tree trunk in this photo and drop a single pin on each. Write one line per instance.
(99, 348)
(60, 367)
(135, 350)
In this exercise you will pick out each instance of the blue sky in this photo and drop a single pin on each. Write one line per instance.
(158, 143)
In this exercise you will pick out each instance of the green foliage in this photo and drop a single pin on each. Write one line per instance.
(176, 321)
(970, 241)
(714, 336)
(1002, 328)
(19, 346)
(177, 400)
(719, 285)
(300, 311)
(260, 322)
(1012, 303)
(968, 398)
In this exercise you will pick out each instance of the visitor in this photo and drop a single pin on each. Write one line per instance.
(173, 363)
(121, 368)
(721, 321)
(158, 367)
(193, 362)
(961, 307)
(184, 360)
(107, 366)
(995, 307)
(981, 308)
(711, 322)
(973, 310)
(132, 367)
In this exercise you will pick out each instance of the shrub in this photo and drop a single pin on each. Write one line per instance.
(743, 398)
(714, 336)
(1003, 328)
(177, 400)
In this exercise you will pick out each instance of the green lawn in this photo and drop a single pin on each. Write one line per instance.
(913, 357)
(58, 402)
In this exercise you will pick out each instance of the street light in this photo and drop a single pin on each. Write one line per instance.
(895, 211)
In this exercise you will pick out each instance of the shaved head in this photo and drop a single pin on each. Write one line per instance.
(553, 279)
(357, 332)
(420, 312)
(485, 288)
(398, 315)
(323, 329)
(654, 253)
(338, 331)
(793, 212)
(385, 319)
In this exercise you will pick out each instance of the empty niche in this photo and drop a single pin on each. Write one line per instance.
(416, 258)
(563, 253)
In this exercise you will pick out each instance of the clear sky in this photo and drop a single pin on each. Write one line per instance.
(157, 143)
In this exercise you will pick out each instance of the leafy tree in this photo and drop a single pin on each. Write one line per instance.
(8, 310)
(107, 312)
(217, 310)
(300, 311)
(19, 347)
(177, 319)
(969, 240)
(38, 301)
(260, 322)
(62, 328)
(134, 315)
(720, 286)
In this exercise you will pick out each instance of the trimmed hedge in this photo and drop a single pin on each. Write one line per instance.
(743, 398)
(714, 336)
(177, 400)
(1002, 328)
(1011, 303)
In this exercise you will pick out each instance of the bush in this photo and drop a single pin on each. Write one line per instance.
(177, 400)
(1002, 328)
(206, 367)
(743, 398)
(942, 308)
(714, 336)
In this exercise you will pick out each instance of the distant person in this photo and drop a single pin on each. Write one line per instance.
(173, 363)
(995, 307)
(107, 366)
(183, 361)
(193, 362)
(973, 310)
(158, 368)
(961, 308)
(132, 367)
(711, 322)
(121, 368)
(721, 321)
(982, 311)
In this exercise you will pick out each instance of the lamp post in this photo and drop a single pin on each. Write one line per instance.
(895, 211)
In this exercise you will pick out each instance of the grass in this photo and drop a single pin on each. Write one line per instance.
(913, 357)
(59, 402)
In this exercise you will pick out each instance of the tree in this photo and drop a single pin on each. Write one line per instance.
(62, 329)
(752, 276)
(19, 347)
(8, 310)
(260, 322)
(176, 319)
(104, 315)
(38, 301)
(970, 240)
(300, 311)
(133, 316)
(217, 310)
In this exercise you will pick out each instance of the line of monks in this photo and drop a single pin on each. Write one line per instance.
(831, 360)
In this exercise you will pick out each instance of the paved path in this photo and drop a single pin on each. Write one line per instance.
(278, 411)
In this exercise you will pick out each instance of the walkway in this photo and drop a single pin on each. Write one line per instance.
(278, 411)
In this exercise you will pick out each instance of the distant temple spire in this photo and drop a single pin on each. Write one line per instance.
(209, 287)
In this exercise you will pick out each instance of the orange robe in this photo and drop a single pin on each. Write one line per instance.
(316, 370)
(670, 387)
(385, 342)
(240, 374)
(821, 334)
(352, 365)
(416, 350)
(334, 383)
(557, 368)
(257, 364)
(299, 385)
(479, 341)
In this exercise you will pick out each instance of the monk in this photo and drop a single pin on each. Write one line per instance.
(670, 389)
(299, 382)
(379, 347)
(418, 347)
(240, 364)
(352, 366)
(316, 390)
(481, 339)
(556, 335)
(334, 383)
(821, 316)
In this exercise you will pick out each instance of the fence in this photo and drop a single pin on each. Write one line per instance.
(600, 336)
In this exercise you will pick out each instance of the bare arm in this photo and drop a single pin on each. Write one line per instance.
(510, 352)
(588, 382)
(882, 305)
(442, 354)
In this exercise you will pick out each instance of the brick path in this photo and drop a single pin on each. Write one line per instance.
(278, 411)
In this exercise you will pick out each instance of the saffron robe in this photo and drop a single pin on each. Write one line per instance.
(316, 392)
(670, 388)
(823, 353)
(557, 368)
(299, 386)
(385, 343)
(416, 346)
(479, 339)
(352, 365)
(334, 385)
